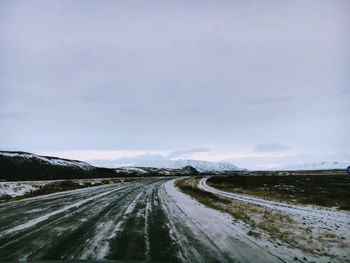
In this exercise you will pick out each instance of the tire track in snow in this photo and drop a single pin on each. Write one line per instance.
(206, 235)
(144, 234)
(35, 207)
(146, 220)
(37, 220)
(46, 235)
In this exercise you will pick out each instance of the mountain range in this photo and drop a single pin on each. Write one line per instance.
(28, 166)
(200, 166)
(313, 166)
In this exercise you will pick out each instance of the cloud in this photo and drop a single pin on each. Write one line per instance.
(194, 111)
(173, 75)
(270, 100)
(271, 147)
(186, 153)
(144, 160)
(265, 162)
(12, 115)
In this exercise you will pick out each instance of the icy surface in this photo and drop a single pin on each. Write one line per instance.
(140, 220)
(148, 221)
(14, 189)
(215, 230)
(319, 219)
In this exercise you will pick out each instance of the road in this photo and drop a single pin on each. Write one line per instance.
(142, 220)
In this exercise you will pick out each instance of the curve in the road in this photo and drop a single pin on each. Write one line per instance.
(146, 220)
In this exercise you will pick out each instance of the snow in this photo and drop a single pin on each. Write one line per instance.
(313, 166)
(189, 219)
(131, 170)
(199, 232)
(204, 166)
(318, 219)
(49, 160)
(327, 214)
(44, 217)
(98, 246)
(14, 189)
(201, 166)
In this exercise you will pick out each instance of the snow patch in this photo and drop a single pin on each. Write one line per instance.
(313, 166)
(318, 219)
(216, 234)
(14, 189)
(37, 220)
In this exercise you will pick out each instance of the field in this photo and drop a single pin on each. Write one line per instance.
(303, 233)
(143, 220)
(328, 189)
(12, 191)
(166, 219)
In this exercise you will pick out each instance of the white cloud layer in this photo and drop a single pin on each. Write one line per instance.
(92, 79)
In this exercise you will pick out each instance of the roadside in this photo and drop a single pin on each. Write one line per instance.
(331, 189)
(205, 234)
(296, 237)
(11, 191)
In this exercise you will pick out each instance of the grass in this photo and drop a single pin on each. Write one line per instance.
(279, 226)
(331, 189)
(67, 185)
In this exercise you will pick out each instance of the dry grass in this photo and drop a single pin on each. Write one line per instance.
(329, 189)
(279, 226)
(67, 185)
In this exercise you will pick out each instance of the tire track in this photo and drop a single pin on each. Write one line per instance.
(133, 221)
(45, 235)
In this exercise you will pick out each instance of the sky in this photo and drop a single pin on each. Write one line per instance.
(255, 83)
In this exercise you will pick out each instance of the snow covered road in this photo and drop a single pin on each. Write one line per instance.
(141, 220)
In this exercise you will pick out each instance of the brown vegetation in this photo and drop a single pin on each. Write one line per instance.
(276, 224)
(331, 189)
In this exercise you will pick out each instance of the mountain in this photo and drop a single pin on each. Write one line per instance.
(23, 166)
(313, 166)
(16, 166)
(200, 166)
(152, 171)
(24, 156)
(161, 161)
(206, 167)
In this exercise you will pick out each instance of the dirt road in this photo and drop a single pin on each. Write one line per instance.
(145, 220)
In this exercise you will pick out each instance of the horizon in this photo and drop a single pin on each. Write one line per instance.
(168, 161)
(255, 84)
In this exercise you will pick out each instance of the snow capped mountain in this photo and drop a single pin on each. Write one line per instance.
(28, 166)
(23, 166)
(314, 166)
(165, 162)
(203, 166)
(147, 171)
(47, 160)
(200, 166)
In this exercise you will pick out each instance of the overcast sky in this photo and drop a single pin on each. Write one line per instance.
(253, 82)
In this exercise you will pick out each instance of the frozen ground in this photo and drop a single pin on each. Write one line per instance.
(141, 220)
(9, 190)
(145, 220)
(14, 189)
(327, 238)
